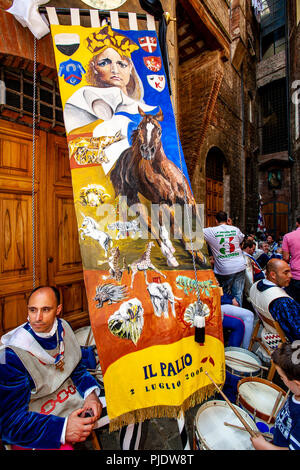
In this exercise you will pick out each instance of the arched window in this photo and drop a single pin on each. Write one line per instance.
(214, 185)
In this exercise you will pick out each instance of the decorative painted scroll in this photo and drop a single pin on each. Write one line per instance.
(139, 270)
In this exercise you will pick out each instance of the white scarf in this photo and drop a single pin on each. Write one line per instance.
(21, 338)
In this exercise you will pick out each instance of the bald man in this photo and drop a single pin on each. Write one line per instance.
(268, 297)
(45, 388)
(44, 385)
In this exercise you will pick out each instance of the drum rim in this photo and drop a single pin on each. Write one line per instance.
(237, 372)
(223, 403)
(259, 414)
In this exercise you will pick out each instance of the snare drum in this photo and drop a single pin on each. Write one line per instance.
(235, 370)
(258, 396)
(212, 434)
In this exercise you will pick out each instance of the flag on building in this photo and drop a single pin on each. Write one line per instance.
(261, 222)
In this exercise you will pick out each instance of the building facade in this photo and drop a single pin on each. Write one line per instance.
(239, 112)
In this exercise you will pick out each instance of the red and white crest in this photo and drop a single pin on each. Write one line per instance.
(157, 82)
(148, 43)
(153, 63)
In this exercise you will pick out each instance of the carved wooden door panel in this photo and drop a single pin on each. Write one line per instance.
(57, 253)
(214, 200)
(16, 222)
(64, 268)
(276, 215)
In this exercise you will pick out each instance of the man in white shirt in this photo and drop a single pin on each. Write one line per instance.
(229, 265)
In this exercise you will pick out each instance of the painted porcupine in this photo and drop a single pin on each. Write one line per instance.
(109, 293)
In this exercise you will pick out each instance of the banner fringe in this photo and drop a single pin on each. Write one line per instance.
(163, 411)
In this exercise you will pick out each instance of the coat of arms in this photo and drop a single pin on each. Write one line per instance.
(157, 82)
(148, 43)
(153, 63)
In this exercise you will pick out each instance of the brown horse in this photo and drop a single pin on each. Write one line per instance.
(145, 169)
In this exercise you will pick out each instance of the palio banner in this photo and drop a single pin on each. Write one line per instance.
(140, 230)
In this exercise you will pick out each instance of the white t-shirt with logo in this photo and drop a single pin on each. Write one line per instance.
(224, 241)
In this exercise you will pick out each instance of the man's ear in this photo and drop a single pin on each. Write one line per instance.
(58, 310)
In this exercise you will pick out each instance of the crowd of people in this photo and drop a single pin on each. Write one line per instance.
(260, 278)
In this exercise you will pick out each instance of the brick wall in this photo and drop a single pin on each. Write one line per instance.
(225, 125)
(295, 143)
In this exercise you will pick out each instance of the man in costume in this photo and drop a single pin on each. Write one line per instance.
(269, 298)
(273, 245)
(44, 385)
(253, 270)
(261, 254)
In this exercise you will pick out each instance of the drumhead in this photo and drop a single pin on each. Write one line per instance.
(212, 432)
(242, 370)
(258, 396)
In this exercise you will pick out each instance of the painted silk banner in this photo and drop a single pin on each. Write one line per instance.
(125, 159)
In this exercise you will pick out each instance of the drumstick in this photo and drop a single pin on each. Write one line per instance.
(275, 406)
(285, 399)
(266, 434)
(239, 416)
(240, 361)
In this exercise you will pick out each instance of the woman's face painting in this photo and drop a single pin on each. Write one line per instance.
(112, 69)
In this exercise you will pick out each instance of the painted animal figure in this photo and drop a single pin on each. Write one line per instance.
(92, 150)
(115, 270)
(145, 169)
(93, 195)
(89, 228)
(143, 263)
(125, 227)
(161, 295)
(128, 321)
(109, 293)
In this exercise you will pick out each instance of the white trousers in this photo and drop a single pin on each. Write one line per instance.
(244, 314)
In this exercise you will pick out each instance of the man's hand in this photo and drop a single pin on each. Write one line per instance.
(235, 302)
(92, 401)
(78, 429)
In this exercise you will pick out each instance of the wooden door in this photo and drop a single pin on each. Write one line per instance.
(214, 185)
(276, 215)
(16, 222)
(64, 268)
(56, 247)
(214, 200)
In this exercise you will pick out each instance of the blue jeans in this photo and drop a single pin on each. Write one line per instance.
(233, 284)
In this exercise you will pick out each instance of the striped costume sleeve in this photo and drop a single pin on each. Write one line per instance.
(294, 441)
(287, 312)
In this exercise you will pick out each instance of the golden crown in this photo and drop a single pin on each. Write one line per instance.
(107, 38)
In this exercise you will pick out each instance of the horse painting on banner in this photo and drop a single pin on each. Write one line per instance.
(132, 206)
(144, 168)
